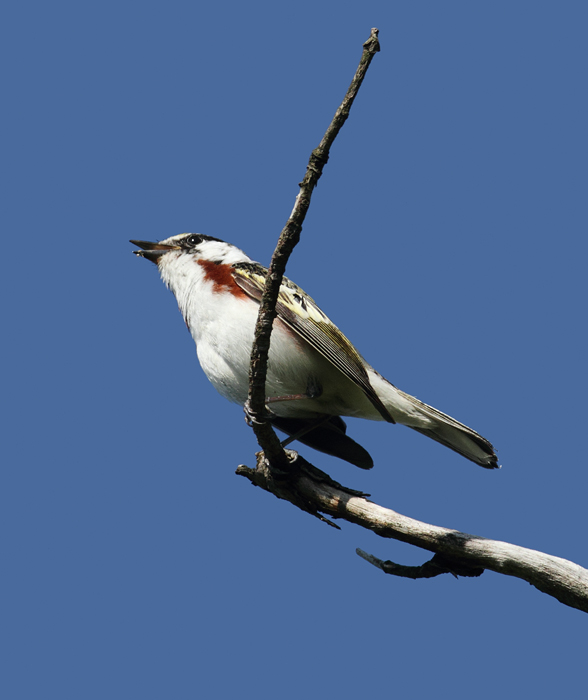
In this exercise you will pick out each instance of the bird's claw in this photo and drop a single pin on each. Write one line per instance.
(252, 417)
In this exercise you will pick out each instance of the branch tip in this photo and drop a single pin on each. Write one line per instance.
(372, 44)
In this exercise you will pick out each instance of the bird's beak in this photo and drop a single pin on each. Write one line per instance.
(152, 251)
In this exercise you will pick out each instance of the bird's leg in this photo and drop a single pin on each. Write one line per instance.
(287, 397)
(313, 391)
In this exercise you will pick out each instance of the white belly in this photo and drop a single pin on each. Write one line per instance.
(294, 367)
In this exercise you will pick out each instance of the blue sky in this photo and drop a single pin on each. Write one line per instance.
(447, 239)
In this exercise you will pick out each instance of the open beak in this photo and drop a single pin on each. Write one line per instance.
(152, 251)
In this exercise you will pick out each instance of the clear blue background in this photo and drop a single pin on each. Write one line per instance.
(447, 238)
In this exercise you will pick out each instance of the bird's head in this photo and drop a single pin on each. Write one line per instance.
(190, 258)
(193, 246)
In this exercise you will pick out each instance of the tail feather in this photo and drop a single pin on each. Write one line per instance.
(453, 434)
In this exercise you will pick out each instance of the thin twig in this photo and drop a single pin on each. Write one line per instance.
(288, 239)
(436, 566)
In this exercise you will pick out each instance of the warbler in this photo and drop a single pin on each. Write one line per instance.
(315, 375)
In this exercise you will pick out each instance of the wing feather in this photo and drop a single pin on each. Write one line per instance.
(300, 313)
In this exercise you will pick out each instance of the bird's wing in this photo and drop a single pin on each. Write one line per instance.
(328, 437)
(300, 313)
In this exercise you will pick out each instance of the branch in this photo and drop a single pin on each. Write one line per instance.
(455, 552)
(290, 477)
(255, 407)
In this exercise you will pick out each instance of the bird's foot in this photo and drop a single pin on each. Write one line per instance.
(252, 417)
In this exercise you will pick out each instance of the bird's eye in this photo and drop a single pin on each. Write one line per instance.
(193, 240)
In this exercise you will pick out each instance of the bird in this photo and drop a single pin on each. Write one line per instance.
(315, 374)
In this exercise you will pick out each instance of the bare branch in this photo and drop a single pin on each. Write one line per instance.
(455, 552)
(289, 237)
(290, 477)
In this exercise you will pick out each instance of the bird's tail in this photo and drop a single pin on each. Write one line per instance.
(450, 432)
(408, 410)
